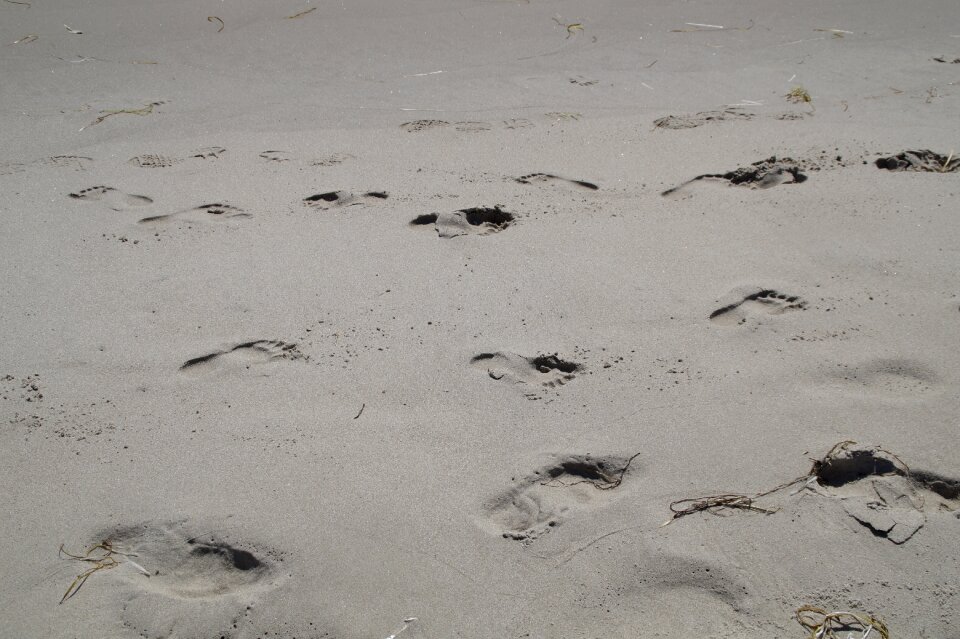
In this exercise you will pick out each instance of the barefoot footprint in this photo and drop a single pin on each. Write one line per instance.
(112, 198)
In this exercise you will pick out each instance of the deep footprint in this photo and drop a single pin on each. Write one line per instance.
(545, 370)
(548, 177)
(922, 160)
(764, 174)
(343, 198)
(475, 221)
(763, 302)
(186, 567)
(547, 497)
(882, 493)
(112, 198)
(243, 356)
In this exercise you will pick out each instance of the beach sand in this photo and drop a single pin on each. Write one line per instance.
(318, 323)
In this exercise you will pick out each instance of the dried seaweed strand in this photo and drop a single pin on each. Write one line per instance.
(301, 14)
(823, 624)
(146, 110)
(100, 562)
(212, 18)
(606, 482)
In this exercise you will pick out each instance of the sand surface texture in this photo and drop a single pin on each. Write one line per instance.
(320, 317)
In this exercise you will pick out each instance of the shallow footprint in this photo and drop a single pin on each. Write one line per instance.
(548, 177)
(544, 499)
(763, 302)
(545, 370)
(343, 198)
(422, 125)
(112, 198)
(242, 356)
(215, 211)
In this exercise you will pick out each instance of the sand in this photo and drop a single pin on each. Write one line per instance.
(332, 321)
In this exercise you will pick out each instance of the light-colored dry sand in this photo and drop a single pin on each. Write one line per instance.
(188, 343)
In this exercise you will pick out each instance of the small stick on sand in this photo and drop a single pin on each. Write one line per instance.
(361, 412)
(301, 14)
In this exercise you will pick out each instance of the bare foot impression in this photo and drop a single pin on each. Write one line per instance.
(895, 379)
(879, 491)
(343, 198)
(159, 161)
(535, 178)
(205, 212)
(175, 584)
(112, 198)
(475, 221)
(422, 125)
(699, 119)
(764, 174)
(544, 370)
(922, 160)
(762, 302)
(544, 499)
(243, 356)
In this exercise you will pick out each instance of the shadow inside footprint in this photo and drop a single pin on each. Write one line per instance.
(548, 177)
(473, 221)
(243, 355)
(112, 198)
(343, 198)
(763, 302)
(882, 493)
(764, 174)
(545, 370)
(542, 500)
(922, 160)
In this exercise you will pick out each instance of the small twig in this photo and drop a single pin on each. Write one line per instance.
(301, 14)
(15, 2)
(212, 18)
(25, 39)
(72, 30)
(361, 411)
(652, 63)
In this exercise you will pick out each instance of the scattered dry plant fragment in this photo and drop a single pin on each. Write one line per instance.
(799, 95)
(103, 561)
(215, 18)
(824, 625)
(837, 33)
(571, 28)
(301, 14)
(146, 110)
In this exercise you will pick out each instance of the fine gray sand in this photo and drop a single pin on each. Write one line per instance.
(318, 323)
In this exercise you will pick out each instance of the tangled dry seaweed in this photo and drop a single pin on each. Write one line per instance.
(102, 561)
(713, 503)
(822, 624)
